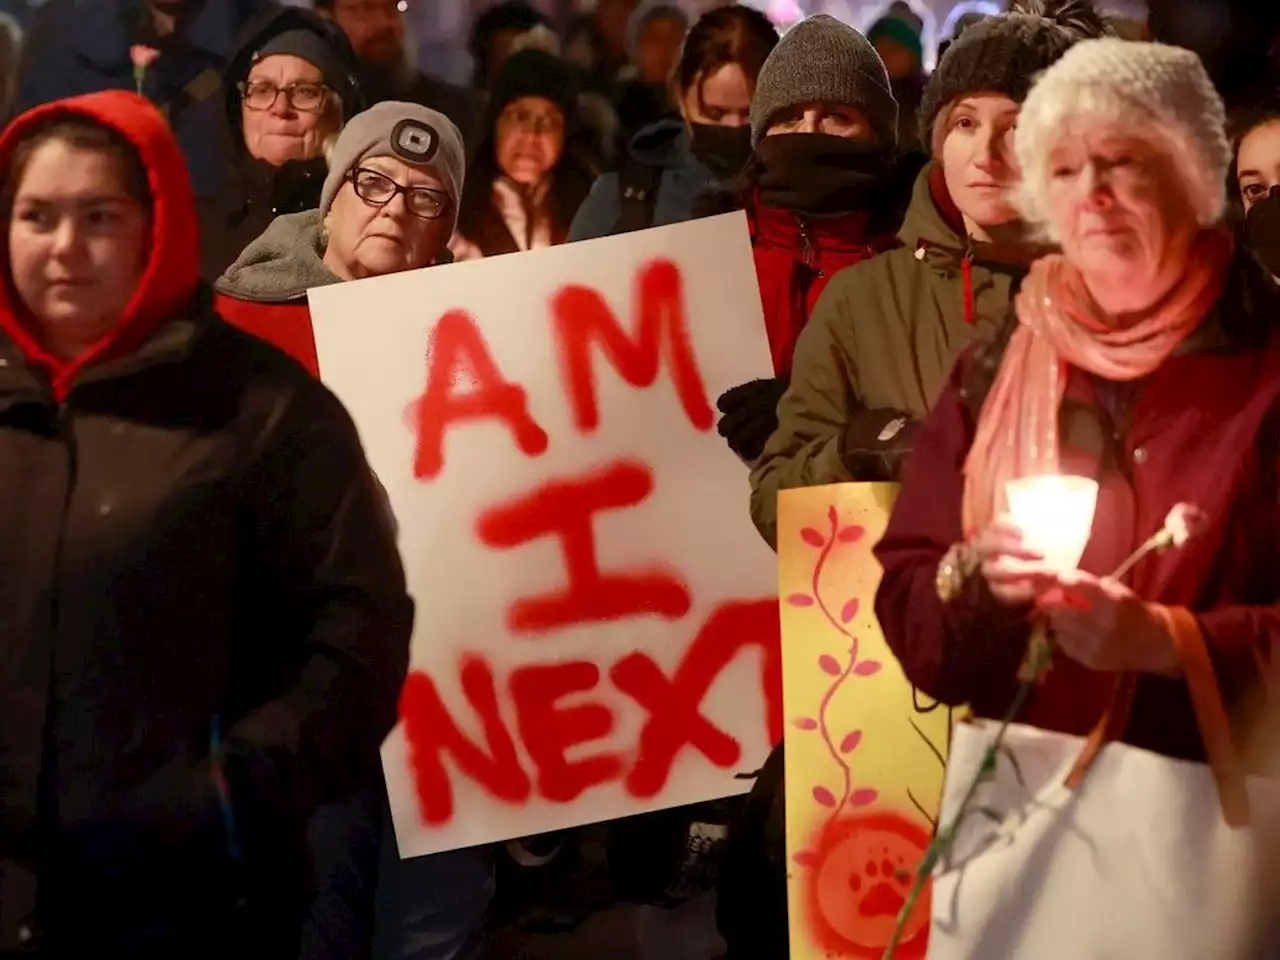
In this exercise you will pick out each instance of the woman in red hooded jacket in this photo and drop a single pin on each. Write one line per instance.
(203, 618)
(824, 190)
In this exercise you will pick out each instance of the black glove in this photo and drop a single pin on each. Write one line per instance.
(750, 415)
(876, 443)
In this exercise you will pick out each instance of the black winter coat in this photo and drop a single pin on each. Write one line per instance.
(192, 539)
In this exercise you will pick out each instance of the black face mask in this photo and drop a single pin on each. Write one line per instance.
(819, 173)
(722, 150)
(1262, 225)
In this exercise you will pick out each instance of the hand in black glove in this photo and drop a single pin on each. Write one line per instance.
(750, 415)
(876, 443)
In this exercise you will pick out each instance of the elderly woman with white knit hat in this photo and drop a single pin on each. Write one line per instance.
(1146, 358)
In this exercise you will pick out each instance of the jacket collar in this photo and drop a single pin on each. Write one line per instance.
(171, 342)
(840, 233)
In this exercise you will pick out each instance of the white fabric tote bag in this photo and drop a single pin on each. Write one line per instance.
(1135, 860)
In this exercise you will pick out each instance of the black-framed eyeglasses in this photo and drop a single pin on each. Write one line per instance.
(378, 189)
(262, 95)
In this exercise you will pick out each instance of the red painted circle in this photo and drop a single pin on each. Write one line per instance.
(856, 888)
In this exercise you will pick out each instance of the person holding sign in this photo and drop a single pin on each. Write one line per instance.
(389, 203)
(886, 332)
(1146, 359)
(205, 620)
(822, 192)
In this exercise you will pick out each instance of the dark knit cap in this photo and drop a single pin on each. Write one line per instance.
(535, 73)
(1005, 53)
(300, 33)
(822, 59)
(899, 31)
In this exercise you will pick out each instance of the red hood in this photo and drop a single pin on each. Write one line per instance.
(173, 268)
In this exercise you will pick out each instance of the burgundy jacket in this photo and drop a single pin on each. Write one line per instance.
(1201, 429)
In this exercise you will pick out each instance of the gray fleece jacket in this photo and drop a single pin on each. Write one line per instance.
(282, 264)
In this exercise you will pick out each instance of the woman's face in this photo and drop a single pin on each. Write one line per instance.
(530, 139)
(835, 119)
(978, 162)
(78, 244)
(658, 49)
(369, 240)
(286, 110)
(1121, 212)
(721, 98)
(1258, 162)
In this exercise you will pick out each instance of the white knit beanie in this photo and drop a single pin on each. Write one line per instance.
(1148, 88)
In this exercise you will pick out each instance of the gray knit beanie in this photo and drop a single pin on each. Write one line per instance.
(407, 131)
(822, 59)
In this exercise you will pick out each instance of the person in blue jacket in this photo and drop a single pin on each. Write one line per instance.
(672, 161)
(82, 46)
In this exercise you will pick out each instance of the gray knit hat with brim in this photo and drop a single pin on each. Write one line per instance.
(419, 136)
(823, 60)
(1006, 52)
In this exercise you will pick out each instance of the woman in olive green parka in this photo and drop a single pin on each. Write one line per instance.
(885, 334)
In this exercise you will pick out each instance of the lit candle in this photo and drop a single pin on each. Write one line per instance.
(1055, 515)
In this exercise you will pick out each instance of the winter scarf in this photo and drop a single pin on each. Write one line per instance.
(1061, 326)
(817, 173)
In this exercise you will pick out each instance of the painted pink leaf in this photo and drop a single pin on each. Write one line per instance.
(863, 797)
(805, 723)
(851, 741)
(850, 611)
(824, 796)
(829, 665)
(806, 858)
(867, 667)
(812, 537)
(852, 534)
(800, 600)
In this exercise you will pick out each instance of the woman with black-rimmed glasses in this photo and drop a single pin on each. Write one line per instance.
(388, 204)
(288, 90)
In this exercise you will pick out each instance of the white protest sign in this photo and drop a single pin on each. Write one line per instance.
(597, 627)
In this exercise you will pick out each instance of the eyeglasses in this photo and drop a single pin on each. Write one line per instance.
(378, 190)
(262, 94)
(530, 121)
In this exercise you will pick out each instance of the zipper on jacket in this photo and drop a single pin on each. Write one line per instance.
(806, 244)
(966, 280)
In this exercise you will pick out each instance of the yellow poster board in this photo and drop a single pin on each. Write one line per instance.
(865, 752)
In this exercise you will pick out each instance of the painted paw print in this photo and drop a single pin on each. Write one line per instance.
(882, 884)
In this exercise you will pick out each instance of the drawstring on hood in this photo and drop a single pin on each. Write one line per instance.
(171, 277)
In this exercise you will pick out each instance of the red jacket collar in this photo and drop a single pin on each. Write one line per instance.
(779, 227)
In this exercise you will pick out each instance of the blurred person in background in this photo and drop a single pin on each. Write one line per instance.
(897, 37)
(11, 35)
(596, 43)
(668, 164)
(211, 619)
(492, 34)
(654, 39)
(388, 204)
(1255, 180)
(288, 89)
(524, 187)
(1235, 40)
(73, 47)
(384, 61)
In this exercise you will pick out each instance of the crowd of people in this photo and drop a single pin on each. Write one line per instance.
(1059, 250)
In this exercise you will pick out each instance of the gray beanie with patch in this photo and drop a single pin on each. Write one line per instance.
(822, 59)
(407, 131)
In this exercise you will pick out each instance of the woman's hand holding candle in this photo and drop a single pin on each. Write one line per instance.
(1015, 573)
(1105, 626)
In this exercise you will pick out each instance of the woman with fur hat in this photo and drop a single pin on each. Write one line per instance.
(886, 332)
(525, 184)
(1146, 356)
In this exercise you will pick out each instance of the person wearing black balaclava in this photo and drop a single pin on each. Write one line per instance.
(1256, 182)
(669, 163)
(823, 191)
